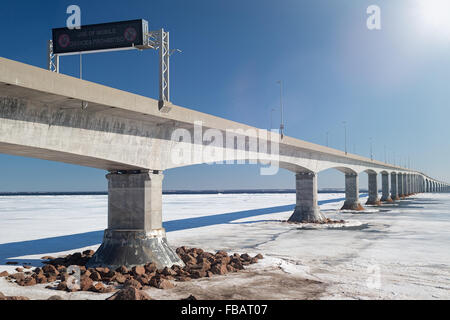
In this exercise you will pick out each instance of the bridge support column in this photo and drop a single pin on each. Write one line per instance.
(306, 208)
(352, 193)
(394, 188)
(401, 192)
(373, 190)
(385, 197)
(135, 235)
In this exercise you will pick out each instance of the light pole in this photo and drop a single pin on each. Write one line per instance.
(281, 108)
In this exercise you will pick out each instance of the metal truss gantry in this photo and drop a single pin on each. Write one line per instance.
(155, 40)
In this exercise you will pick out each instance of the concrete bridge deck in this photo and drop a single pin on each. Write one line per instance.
(41, 116)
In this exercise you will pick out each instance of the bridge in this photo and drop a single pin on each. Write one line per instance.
(55, 117)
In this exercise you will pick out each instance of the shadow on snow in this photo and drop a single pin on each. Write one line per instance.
(81, 240)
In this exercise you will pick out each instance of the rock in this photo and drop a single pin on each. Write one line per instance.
(133, 283)
(2, 296)
(95, 275)
(254, 260)
(190, 298)
(184, 278)
(29, 281)
(50, 269)
(161, 283)
(18, 276)
(4, 274)
(102, 271)
(259, 256)
(138, 270)
(19, 269)
(122, 270)
(209, 274)
(86, 283)
(62, 286)
(27, 267)
(55, 298)
(40, 278)
(150, 268)
(169, 272)
(188, 259)
(219, 268)
(231, 269)
(143, 280)
(246, 257)
(88, 253)
(120, 278)
(196, 274)
(12, 263)
(98, 287)
(130, 293)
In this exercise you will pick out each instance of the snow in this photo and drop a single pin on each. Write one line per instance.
(396, 251)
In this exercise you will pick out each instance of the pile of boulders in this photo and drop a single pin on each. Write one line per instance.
(198, 264)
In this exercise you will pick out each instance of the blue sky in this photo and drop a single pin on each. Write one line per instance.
(391, 85)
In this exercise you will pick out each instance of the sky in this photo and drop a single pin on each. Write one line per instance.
(391, 86)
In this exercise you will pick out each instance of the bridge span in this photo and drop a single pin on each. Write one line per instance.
(55, 117)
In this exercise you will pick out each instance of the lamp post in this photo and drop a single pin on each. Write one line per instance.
(281, 108)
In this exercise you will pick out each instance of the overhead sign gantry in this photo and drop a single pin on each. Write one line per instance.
(114, 36)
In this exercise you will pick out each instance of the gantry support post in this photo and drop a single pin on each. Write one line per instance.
(306, 208)
(352, 193)
(135, 235)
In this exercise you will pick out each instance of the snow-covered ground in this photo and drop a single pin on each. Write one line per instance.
(392, 252)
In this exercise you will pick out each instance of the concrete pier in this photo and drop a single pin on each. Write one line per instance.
(400, 186)
(385, 197)
(135, 235)
(352, 193)
(373, 190)
(394, 188)
(306, 208)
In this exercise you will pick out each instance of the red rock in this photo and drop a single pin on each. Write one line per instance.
(133, 283)
(122, 270)
(246, 257)
(19, 269)
(130, 293)
(259, 256)
(219, 268)
(254, 260)
(189, 259)
(88, 253)
(143, 280)
(138, 270)
(55, 298)
(95, 276)
(50, 269)
(150, 268)
(169, 272)
(18, 276)
(86, 283)
(17, 298)
(98, 287)
(62, 286)
(196, 274)
(120, 278)
(4, 274)
(27, 267)
(231, 269)
(161, 283)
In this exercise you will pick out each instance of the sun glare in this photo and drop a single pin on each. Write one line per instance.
(435, 15)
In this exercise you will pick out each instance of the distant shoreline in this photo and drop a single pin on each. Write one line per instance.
(167, 192)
